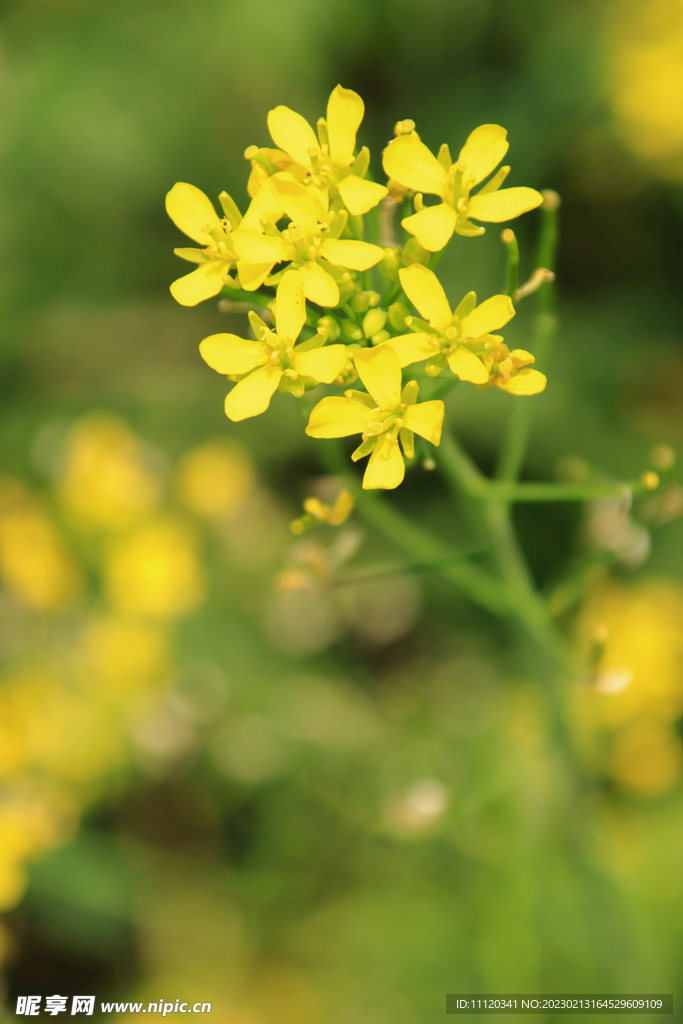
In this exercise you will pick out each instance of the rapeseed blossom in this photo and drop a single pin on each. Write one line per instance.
(272, 361)
(458, 338)
(383, 415)
(408, 162)
(193, 213)
(310, 244)
(328, 161)
(306, 237)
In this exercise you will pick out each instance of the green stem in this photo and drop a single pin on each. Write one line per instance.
(516, 437)
(512, 276)
(526, 606)
(257, 298)
(416, 541)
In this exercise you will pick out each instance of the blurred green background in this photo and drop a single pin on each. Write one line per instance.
(331, 803)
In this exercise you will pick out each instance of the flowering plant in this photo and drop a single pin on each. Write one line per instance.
(300, 257)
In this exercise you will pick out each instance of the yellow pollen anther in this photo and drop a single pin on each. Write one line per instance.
(462, 205)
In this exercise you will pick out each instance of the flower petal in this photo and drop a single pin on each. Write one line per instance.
(386, 467)
(264, 206)
(304, 206)
(521, 357)
(380, 371)
(319, 286)
(426, 419)
(252, 275)
(292, 133)
(203, 283)
(345, 252)
(190, 210)
(338, 417)
(323, 364)
(253, 394)
(492, 314)
(467, 366)
(526, 382)
(290, 307)
(359, 195)
(433, 226)
(483, 151)
(227, 353)
(412, 348)
(345, 111)
(504, 204)
(424, 290)
(410, 163)
(255, 247)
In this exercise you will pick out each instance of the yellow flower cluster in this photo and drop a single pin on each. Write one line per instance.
(88, 665)
(628, 709)
(303, 234)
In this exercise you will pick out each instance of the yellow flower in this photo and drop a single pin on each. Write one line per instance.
(447, 337)
(510, 371)
(382, 416)
(34, 564)
(107, 482)
(329, 159)
(215, 480)
(408, 162)
(273, 361)
(310, 244)
(193, 213)
(317, 511)
(155, 571)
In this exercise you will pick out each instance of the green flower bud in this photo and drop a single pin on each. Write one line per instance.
(347, 287)
(328, 325)
(360, 302)
(397, 316)
(374, 298)
(373, 322)
(414, 253)
(351, 331)
(390, 264)
(381, 336)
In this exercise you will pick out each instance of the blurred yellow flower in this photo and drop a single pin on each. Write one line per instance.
(640, 671)
(34, 564)
(120, 657)
(29, 824)
(155, 571)
(193, 213)
(646, 759)
(636, 692)
(382, 416)
(329, 159)
(272, 361)
(215, 480)
(107, 482)
(409, 163)
(645, 48)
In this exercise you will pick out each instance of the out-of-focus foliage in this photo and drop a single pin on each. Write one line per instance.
(287, 774)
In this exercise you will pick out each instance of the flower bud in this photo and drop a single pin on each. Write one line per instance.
(328, 325)
(346, 287)
(391, 263)
(373, 322)
(397, 316)
(380, 337)
(414, 253)
(360, 302)
(351, 331)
